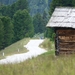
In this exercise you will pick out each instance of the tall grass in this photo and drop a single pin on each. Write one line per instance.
(48, 45)
(45, 64)
(15, 48)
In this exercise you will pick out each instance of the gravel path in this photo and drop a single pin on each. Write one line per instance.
(34, 50)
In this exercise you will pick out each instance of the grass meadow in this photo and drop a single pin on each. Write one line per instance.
(45, 64)
(15, 48)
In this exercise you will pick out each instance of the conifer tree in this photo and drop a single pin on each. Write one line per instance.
(23, 26)
(8, 30)
(1, 34)
(38, 23)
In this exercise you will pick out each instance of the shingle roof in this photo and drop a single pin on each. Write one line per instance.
(62, 17)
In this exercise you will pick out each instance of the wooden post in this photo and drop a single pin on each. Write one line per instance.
(18, 50)
(57, 44)
(3, 53)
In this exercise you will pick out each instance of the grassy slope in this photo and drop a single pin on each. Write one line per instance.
(13, 49)
(45, 64)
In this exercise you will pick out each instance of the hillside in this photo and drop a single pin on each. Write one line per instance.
(7, 2)
(45, 64)
(36, 6)
(33, 51)
(20, 22)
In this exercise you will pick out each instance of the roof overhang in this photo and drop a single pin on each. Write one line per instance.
(62, 17)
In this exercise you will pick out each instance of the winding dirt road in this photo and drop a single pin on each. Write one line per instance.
(34, 50)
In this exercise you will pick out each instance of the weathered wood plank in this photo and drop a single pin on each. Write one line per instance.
(66, 38)
(67, 52)
(68, 49)
(65, 41)
(67, 31)
(67, 45)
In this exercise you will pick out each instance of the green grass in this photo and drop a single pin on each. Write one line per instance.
(13, 49)
(42, 65)
(45, 64)
(48, 45)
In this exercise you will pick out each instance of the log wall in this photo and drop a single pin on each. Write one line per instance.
(65, 41)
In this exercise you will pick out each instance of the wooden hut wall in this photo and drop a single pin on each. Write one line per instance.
(65, 41)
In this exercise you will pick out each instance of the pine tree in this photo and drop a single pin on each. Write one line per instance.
(23, 26)
(9, 10)
(73, 2)
(8, 30)
(22, 4)
(38, 23)
(1, 34)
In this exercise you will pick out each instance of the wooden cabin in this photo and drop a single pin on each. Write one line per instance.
(63, 21)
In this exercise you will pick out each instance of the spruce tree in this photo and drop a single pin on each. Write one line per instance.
(73, 3)
(1, 34)
(8, 30)
(23, 26)
(39, 23)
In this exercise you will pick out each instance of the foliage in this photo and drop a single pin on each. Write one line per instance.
(38, 6)
(3, 10)
(1, 34)
(23, 26)
(18, 11)
(7, 2)
(11, 9)
(55, 3)
(8, 31)
(39, 23)
(21, 4)
(73, 2)
(50, 33)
